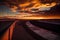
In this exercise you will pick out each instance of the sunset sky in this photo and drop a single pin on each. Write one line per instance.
(4, 10)
(11, 7)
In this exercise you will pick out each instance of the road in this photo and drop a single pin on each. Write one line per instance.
(25, 30)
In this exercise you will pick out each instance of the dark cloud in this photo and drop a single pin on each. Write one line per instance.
(16, 2)
(56, 9)
(49, 1)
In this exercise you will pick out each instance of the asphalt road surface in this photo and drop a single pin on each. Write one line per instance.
(30, 30)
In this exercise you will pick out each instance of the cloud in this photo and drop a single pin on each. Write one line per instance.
(22, 4)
